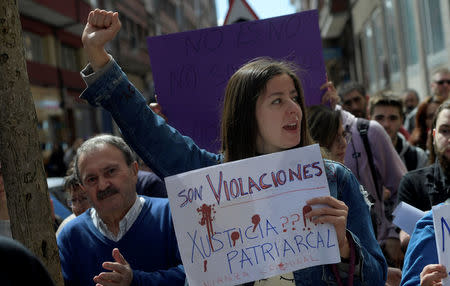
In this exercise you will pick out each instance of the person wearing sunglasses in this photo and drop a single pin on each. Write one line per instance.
(440, 84)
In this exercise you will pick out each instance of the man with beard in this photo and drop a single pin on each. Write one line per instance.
(429, 186)
(136, 230)
(354, 98)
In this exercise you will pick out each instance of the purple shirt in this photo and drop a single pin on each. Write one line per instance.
(389, 167)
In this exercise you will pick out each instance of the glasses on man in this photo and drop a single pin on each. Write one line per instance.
(356, 100)
(442, 81)
(76, 201)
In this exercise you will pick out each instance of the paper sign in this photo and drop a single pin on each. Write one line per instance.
(191, 69)
(245, 220)
(441, 221)
(406, 217)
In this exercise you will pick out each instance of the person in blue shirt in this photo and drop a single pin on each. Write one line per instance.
(421, 264)
(124, 239)
(264, 112)
(421, 258)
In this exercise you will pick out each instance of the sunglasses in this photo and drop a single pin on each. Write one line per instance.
(441, 82)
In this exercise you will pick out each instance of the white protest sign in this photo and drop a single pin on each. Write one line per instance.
(441, 221)
(245, 220)
(406, 216)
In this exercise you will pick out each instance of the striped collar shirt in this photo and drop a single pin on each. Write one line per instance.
(124, 225)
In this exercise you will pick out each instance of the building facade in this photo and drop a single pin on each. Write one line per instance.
(142, 19)
(52, 30)
(386, 44)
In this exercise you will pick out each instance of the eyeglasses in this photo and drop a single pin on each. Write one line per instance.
(356, 99)
(76, 201)
(346, 135)
(442, 81)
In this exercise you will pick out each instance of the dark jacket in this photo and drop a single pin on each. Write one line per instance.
(18, 266)
(413, 157)
(424, 188)
(150, 185)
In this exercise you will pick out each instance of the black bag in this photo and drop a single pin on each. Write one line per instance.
(363, 129)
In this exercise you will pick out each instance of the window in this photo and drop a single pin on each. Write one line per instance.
(124, 23)
(409, 31)
(169, 8)
(368, 53)
(139, 35)
(190, 3)
(391, 35)
(69, 58)
(151, 29)
(380, 52)
(144, 38)
(125, 27)
(188, 25)
(134, 38)
(33, 47)
(432, 26)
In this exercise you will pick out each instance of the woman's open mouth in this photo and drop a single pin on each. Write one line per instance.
(291, 126)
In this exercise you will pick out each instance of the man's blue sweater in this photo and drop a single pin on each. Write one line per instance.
(149, 246)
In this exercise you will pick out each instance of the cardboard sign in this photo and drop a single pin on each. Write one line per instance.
(191, 69)
(245, 220)
(441, 221)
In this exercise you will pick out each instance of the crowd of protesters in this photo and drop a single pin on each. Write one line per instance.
(380, 150)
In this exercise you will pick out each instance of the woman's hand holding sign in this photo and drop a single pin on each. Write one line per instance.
(334, 212)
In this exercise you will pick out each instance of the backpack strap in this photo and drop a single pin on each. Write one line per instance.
(363, 129)
(411, 158)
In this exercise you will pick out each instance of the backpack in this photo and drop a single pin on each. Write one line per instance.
(410, 158)
(363, 129)
(362, 125)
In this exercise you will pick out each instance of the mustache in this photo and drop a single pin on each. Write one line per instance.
(109, 191)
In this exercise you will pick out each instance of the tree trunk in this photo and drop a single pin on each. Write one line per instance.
(22, 166)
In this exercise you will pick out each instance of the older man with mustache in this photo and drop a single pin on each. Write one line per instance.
(120, 222)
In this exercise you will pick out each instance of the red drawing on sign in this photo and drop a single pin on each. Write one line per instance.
(204, 266)
(294, 221)
(207, 218)
(284, 223)
(234, 237)
(306, 209)
(255, 220)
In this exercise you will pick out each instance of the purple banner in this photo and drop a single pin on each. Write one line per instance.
(191, 69)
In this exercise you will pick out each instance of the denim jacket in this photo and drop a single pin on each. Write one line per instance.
(167, 152)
